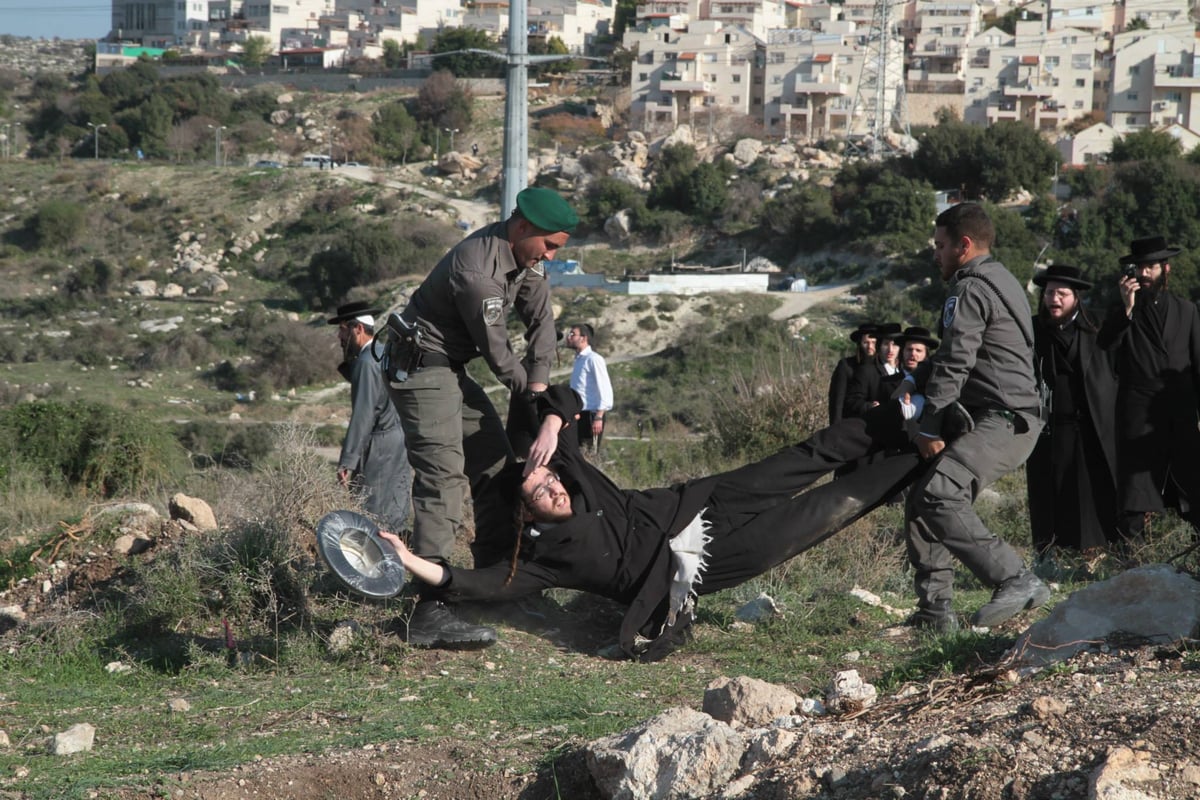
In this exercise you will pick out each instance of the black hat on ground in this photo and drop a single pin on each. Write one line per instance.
(354, 310)
(1149, 250)
(864, 329)
(1062, 273)
(915, 333)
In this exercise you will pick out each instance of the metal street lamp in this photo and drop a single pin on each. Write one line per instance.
(217, 144)
(451, 131)
(96, 138)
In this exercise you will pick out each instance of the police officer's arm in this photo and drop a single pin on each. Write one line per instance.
(533, 308)
(366, 383)
(480, 302)
(952, 363)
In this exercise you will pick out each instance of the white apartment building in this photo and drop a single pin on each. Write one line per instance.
(1157, 14)
(163, 24)
(941, 31)
(704, 67)
(1038, 77)
(810, 80)
(1097, 16)
(1155, 79)
(756, 16)
(1091, 145)
(576, 23)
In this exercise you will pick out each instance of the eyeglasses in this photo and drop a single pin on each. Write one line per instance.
(543, 488)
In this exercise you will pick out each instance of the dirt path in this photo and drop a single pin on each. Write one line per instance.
(796, 303)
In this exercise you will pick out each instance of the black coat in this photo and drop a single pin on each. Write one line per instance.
(870, 386)
(617, 543)
(1159, 385)
(1072, 472)
(839, 383)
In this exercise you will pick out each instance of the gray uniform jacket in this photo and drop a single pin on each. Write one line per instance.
(985, 360)
(462, 309)
(374, 445)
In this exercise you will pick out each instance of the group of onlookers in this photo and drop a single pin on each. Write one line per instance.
(1120, 439)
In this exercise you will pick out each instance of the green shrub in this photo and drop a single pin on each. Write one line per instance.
(57, 223)
(238, 446)
(91, 446)
(648, 324)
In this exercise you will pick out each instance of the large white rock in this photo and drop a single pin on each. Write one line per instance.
(680, 753)
(1156, 603)
(75, 739)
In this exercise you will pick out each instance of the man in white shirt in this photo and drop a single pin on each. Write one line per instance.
(589, 379)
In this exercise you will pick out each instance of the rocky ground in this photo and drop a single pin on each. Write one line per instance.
(1119, 724)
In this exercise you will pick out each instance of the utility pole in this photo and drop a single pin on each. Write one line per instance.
(96, 139)
(217, 144)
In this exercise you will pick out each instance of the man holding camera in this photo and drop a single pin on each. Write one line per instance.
(1156, 339)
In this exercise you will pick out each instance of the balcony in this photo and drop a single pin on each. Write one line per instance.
(820, 85)
(1027, 89)
(672, 83)
(1175, 78)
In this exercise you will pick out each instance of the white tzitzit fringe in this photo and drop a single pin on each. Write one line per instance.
(689, 558)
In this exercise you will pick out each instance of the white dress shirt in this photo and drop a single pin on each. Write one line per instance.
(589, 378)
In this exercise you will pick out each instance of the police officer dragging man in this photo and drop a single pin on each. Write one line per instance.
(456, 439)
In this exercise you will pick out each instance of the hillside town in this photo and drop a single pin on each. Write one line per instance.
(1081, 72)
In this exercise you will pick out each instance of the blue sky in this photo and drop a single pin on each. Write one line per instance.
(67, 19)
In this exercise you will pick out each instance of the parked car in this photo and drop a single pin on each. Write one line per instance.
(353, 164)
(268, 164)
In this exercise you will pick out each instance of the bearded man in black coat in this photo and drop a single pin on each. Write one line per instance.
(1156, 338)
(1072, 472)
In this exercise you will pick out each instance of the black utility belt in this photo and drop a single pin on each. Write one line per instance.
(1008, 413)
(428, 359)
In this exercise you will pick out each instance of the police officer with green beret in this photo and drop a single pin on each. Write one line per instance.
(456, 439)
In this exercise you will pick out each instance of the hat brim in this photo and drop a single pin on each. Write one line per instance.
(374, 312)
(930, 342)
(1041, 279)
(365, 564)
(1149, 258)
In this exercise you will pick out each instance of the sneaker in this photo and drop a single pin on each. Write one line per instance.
(1015, 595)
(938, 617)
(433, 624)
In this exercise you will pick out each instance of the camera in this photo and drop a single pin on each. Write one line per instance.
(1129, 271)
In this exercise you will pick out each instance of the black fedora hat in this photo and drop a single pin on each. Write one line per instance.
(353, 311)
(887, 330)
(915, 333)
(1062, 273)
(1148, 250)
(862, 330)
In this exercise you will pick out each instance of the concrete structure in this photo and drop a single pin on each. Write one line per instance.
(1155, 79)
(576, 23)
(1089, 146)
(810, 81)
(1041, 78)
(704, 67)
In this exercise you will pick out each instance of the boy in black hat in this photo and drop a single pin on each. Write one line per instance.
(373, 460)
(1071, 474)
(1156, 339)
(864, 342)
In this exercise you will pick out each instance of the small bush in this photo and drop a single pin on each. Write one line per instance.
(91, 446)
(57, 223)
(648, 323)
(212, 443)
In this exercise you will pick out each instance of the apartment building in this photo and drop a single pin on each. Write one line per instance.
(941, 30)
(163, 24)
(576, 23)
(1155, 79)
(703, 67)
(1043, 78)
(810, 81)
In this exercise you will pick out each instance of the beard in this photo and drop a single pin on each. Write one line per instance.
(1159, 284)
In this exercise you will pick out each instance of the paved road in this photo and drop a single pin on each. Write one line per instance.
(796, 303)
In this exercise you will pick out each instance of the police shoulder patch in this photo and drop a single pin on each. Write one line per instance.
(948, 311)
(493, 310)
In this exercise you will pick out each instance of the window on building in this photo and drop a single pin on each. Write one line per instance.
(1174, 97)
(736, 99)
(737, 78)
(1080, 83)
(279, 9)
(1078, 104)
(776, 79)
(710, 58)
(976, 103)
(1131, 96)
(776, 58)
(643, 76)
(1135, 69)
(1081, 61)
(1131, 120)
(1051, 62)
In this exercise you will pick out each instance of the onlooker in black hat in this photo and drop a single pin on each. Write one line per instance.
(1156, 338)
(874, 380)
(1071, 474)
(373, 460)
(864, 340)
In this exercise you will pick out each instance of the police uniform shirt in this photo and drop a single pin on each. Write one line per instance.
(985, 360)
(462, 308)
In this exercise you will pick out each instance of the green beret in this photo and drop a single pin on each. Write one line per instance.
(546, 209)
